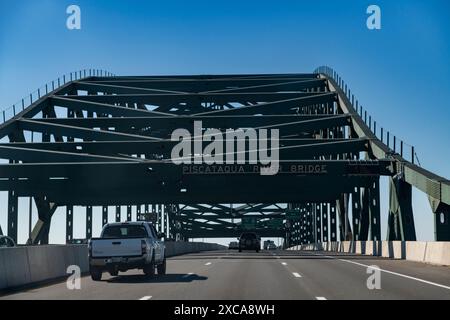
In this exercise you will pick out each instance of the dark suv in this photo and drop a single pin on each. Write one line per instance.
(249, 241)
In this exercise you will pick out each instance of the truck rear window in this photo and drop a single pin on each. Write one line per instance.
(120, 232)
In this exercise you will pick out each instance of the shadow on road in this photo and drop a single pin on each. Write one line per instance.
(167, 278)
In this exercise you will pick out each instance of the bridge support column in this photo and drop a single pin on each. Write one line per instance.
(138, 213)
(13, 215)
(325, 228)
(160, 218)
(129, 212)
(41, 230)
(69, 224)
(442, 224)
(356, 212)
(344, 221)
(374, 211)
(303, 223)
(166, 221)
(333, 223)
(118, 213)
(401, 220)
(364, 219)
(88, 222)
(104, 215)
(13, 199)
(317, 223)
(441, 220)
(310, 224)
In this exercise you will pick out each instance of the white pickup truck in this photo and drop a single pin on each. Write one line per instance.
(124, 246)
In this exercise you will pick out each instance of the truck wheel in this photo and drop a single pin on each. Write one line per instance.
(162, 268)
(96, 274)
(149, 269)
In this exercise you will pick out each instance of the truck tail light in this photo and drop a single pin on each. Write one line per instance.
(143, 247)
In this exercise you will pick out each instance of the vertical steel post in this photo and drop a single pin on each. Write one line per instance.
(138, 213)
(13, 204)
(333, 222)
(88, 222)
(69, 224)
(129, 212)
(104, 215)
(118, 214)
(356, 212)
(401, 219)
(374, 211)
(318, 222)
(325, 228)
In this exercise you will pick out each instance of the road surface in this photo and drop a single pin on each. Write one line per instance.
(268, 275)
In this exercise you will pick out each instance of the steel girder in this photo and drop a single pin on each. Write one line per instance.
(106, 141)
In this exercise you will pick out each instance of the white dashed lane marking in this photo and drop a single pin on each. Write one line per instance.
(296, 274)
(321, 298)
(146, 298)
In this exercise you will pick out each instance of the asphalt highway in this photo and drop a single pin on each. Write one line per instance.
(268, 275)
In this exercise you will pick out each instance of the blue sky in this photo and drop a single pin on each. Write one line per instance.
(400, 73)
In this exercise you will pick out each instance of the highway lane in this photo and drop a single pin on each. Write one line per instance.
(277, 275)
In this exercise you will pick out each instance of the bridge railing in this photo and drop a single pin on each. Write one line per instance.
(395, 144)
(10, 112)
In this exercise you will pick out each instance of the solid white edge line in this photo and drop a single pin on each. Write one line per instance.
(145, 298)
(390, 272)
(296, 274)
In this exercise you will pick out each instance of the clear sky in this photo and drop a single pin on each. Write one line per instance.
(400, 73)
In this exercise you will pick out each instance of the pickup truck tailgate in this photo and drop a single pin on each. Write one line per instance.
(116, 248)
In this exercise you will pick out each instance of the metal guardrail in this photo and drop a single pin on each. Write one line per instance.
(11, 112)
(391, 141)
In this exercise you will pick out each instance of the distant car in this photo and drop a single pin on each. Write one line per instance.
(249, 241)
(272, 246)
(6, 242)
(234, 245)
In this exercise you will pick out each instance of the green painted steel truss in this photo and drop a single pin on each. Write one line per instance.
(106, 141)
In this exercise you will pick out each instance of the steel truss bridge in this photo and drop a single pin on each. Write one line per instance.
(103, 140)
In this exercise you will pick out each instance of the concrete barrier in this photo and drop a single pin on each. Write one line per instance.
(437, 253)
(21, 266)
